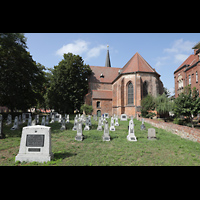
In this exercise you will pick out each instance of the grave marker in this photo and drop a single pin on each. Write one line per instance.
(142, 127)
(79, 136)
(15, 126)
(106, 136)
(131, 134)
(112, 127)
(123, 117)
(35, 144)
(99, 128)
(87, 128)
(151, 134)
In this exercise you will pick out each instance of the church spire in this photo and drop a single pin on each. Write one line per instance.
(107, 64)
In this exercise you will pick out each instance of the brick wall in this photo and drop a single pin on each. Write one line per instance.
(183, 131)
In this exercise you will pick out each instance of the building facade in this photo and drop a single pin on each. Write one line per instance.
(188, 72)
(120, 90)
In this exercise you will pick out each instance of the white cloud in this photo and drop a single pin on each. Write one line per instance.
(180, 46)
(177, 53)
(95, 52)
(81, 47)
(77, 47)
(180, 57)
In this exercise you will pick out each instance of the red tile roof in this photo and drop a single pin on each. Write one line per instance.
(101, 94)
(137, 64)
(109, 73)
(192, 59)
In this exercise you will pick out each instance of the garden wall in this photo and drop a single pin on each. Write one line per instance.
(183, 131)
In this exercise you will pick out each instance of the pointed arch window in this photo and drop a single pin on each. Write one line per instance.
(130, 93)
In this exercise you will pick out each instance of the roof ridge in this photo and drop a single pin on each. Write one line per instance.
(147, 63)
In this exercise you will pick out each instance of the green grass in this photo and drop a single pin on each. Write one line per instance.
(168, 149)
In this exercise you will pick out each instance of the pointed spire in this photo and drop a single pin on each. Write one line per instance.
(107, 64)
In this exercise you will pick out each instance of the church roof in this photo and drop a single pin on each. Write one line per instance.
(109, 74)
(137, 64)
(98, 94)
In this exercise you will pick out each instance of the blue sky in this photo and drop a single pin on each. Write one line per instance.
(163, 51)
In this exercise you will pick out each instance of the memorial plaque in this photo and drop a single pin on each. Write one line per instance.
(34, 149)
(35, 140)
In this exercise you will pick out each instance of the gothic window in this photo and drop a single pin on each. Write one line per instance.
(145, 88)
(130, 93)
(196, 77)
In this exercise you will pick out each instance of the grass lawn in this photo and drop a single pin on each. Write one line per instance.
(167, 150)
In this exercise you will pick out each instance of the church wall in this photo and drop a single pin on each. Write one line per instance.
(105, 106)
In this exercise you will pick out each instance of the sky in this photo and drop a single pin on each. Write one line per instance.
(163, 51)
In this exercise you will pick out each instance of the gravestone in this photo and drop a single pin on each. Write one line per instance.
(106, 115)
(37, 119)
(89, 121)
(116, 121)
(9, 119)
(35, 144)
(79, 136)
(112, 127)
(23, 117)
(75, 124)
(106, 136)
(99, 128)
(52, 119)
(60, 118)
(131, 134)
(63, 127)
(123, 117)
(47, 120)
(87, 128)
(151, 134)
(2, 135)
(20, 119)
(29, 121)
(67, 121)
(16, 125)
(43, 121)
(142, 127)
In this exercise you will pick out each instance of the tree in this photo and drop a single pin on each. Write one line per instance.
(21, 78)
(163, 104)
(187, 104)
(68, 84)
(87, 109)
(148, 105)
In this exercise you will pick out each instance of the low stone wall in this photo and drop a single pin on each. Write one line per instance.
(183, 131)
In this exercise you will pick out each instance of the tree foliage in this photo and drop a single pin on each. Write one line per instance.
(163, 104)
(148, 105)
(68, 84)
(21, 78)
(187, 103)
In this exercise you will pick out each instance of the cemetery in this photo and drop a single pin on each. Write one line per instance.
(98, 137)
(94, 147)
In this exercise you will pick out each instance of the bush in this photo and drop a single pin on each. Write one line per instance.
(88, 109)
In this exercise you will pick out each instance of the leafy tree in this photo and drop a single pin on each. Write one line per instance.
(187, 104)
(68, 84)
(21, 78)
(163, 104)
(148, 105)
(87, 109)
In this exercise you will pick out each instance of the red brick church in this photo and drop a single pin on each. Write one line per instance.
(120, 90)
